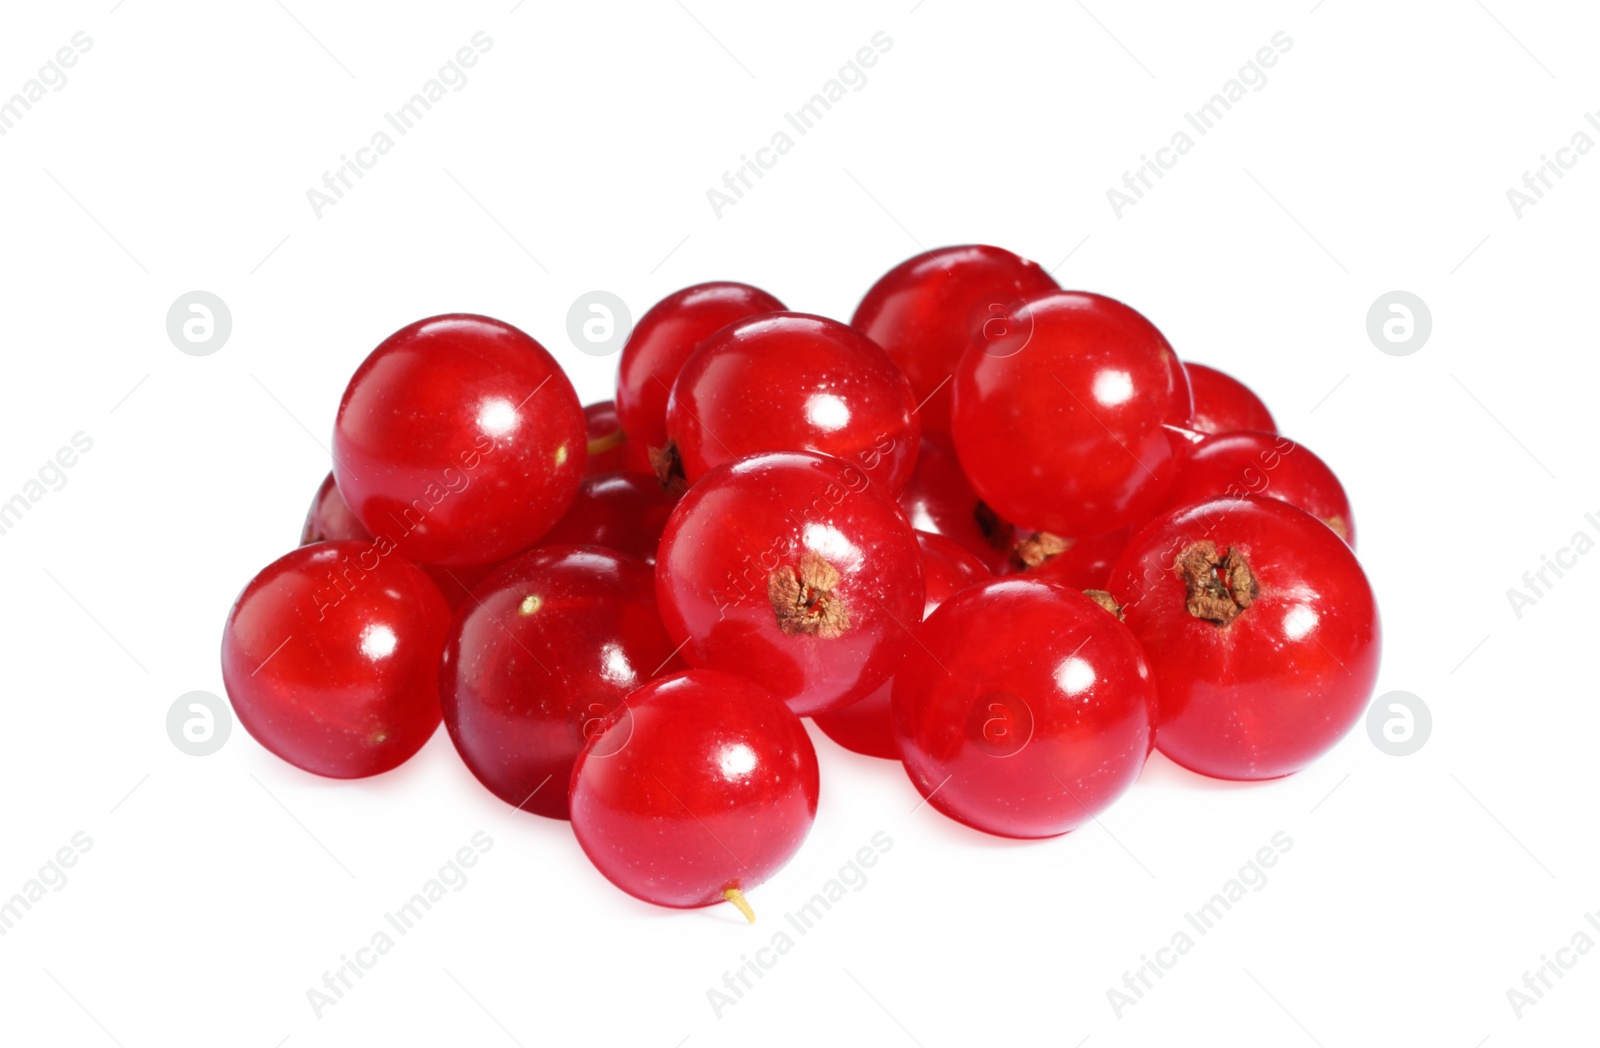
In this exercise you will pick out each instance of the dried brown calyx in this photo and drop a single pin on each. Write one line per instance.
(668, 466)
(803, 598)
(1220, 585)
(1038, 548)
(1106, 601)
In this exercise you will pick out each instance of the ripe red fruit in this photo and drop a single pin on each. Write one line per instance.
(794, 570)
(460, 439)
(1223, 404)
(1261, 631)
(1083, 564)
(1061, 427)
(330, 520)
(1026, 710)
(620, 511)
(657, 348)
(698, 789)
(929, 309)
(866, 726)
(793, 382)
(553, 641)
(939, 499)
(1232, 465)
(608, 445)
(330, 658)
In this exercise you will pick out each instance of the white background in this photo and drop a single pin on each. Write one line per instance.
(1377, 157)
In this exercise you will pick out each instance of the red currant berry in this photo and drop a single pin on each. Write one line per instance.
(329, 519)
(621, 511)
(793, 382)
(938, 499)
(553, 641)
(1223, 404)
(1261, 631)
(1083, 564)
(794, 570)
(330, 657)
(865, 726)
(1232, 465)
(1026, 710)
(657, 348)
(696, 790)
(928, 310)
(459, 438)
(1064, 428)
(608, 445)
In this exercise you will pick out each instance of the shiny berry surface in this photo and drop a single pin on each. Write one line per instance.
(659, 344)
(866, 726)
(1232, 465)
(622, 511)
(550, 644)
(1060, 426)
(1027, 709)
(608, 445)
(794, 570)
(929, 309)
(1260, 628)
(330, 658)
(793, 382)
(940, 500)
(700, 785)
(1223, 404)
(461, 439)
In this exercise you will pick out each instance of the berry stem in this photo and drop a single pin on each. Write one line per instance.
(610, 442)
(735, 896)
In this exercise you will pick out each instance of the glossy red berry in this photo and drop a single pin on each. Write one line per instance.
(1223, 404)
(552, 642)
(621, 511)
(1083, 564)
(608, 445)
(1232, 465)
(929, 309)
(330, 520)
(698, 789)
(460, 439)
(866, 726)
(330, 658)
(794, 570)
(1062, 427)
(658, 346)
(938, 499)
(1261, 631)
(793, 382)
(1026, 710)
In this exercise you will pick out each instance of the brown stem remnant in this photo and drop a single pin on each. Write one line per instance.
(804, 601)
(668, 466)
(1037, 549)
(1220, 586)
(1106, 601)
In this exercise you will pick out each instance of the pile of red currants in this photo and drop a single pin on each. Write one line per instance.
(992, 529)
